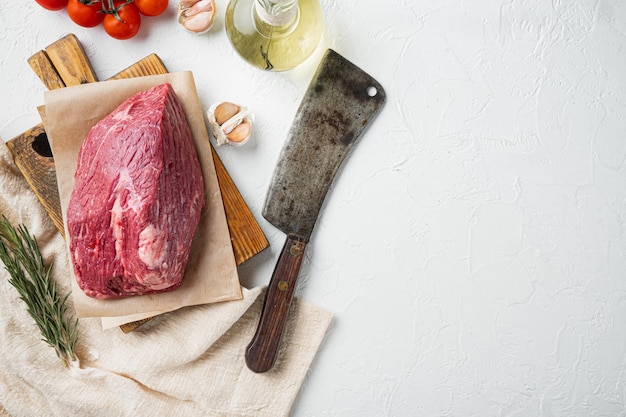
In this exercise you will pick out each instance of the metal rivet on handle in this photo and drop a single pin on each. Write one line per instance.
(283, 285)
(295, 250)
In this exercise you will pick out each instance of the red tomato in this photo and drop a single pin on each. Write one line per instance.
(52, 4)
(85, 15)
(128, 23)
(151, 7)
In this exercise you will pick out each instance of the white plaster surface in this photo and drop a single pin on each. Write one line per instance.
(473, 247)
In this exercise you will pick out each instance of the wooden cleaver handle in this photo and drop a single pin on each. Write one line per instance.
(262, 350)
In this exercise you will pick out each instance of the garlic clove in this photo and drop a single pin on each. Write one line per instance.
(240, 133)
(225, 111)
(230, 123)
(196, 15)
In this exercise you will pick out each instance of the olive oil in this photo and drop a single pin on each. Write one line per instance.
(274, 35)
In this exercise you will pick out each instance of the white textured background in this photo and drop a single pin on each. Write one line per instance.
(473, 248)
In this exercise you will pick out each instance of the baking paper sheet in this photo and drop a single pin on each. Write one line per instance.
(211, 274)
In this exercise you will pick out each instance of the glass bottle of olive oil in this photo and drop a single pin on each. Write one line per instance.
(274, 35)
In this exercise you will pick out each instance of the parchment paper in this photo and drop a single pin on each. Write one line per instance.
(211, 274)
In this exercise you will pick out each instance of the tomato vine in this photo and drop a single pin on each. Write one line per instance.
(121, 19)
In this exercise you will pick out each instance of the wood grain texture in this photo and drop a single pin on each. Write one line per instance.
(70, 61)
(150, 65)
(246, 234)
(40, 63)
(32, 155)
(262, 351)
(129, 327)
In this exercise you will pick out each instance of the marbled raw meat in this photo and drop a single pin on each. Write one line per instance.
(137, 199)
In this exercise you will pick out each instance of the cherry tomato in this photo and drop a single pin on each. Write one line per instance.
(151, 7)
(52, 4)
(84, 14)
(128, 24)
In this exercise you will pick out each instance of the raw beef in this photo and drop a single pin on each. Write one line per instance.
(137, 199)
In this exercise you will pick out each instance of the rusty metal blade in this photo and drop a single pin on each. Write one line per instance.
(339, 104)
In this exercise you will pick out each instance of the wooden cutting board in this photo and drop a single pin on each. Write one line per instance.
(64, 63)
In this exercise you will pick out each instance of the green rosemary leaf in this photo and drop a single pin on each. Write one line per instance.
(22, 258)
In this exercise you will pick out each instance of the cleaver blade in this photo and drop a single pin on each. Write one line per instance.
(339, 103)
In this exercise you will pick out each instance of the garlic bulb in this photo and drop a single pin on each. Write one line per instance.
(230, 123)
(196, 15)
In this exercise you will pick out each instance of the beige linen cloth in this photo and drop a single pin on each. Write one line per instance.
(184, 363)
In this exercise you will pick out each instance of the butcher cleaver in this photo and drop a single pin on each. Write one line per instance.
(339, 104)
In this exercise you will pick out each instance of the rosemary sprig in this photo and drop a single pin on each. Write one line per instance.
(22, 259)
